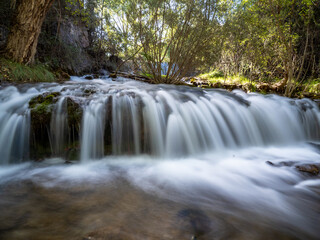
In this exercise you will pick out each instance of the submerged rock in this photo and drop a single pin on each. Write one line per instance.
(194, 221)
(311, 169)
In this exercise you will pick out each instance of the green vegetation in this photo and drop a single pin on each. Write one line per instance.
(309, 88)
(274, 42)
(16, 72)
(312, 86)
(218, 77)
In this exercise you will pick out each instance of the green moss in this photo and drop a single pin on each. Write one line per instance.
(16, 72)
(44, 99)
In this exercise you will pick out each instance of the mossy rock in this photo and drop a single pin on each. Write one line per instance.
(41, 108)
(44, 99)
(75, 112)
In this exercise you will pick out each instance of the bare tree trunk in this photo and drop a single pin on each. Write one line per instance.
(23, 38)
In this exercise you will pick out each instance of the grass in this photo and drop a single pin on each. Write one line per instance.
(217, 76)
(311, 86)
(16, 72)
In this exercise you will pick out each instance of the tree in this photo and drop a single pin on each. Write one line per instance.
(272, 39)
(23, 37)
(166, 38)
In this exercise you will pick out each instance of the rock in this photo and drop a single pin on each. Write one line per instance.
(74, 34)
(75, 112)
(89, 77)
(41, 110)
(62, 75)
(281, 164)
(194, 221)
(89, 92)
(311, 169)
(113, 75)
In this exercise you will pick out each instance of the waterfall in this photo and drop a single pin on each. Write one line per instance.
(58, 127)
(136, 118)
(92, 143)
(14, 125)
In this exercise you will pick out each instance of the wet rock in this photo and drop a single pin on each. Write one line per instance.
(230, 87)
(311, 169)
(89, 92)
(282, 164)
(74, 112)
(46, 98)
(89, 77)
(41, 108)
(113, 75)
(195, 222)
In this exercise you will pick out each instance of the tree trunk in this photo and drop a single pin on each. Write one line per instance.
(23, 38)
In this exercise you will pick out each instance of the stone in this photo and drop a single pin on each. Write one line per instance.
(311, 169)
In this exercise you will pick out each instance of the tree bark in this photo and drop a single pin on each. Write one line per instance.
(23, 38)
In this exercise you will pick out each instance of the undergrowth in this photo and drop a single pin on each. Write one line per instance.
(311, 86)
(217, 76)
(16, 72)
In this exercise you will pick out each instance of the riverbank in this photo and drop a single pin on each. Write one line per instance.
(310, 89)
(11, 72)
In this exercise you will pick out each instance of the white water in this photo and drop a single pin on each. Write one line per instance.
(58, 127)
(206, 149)
(233, 183)
(161, 120)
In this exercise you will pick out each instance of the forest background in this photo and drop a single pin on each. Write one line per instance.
(257, 42)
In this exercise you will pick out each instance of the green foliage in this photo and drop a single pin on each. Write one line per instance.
(16, 72)
(312, 86)
(218, 77)
(181, 34)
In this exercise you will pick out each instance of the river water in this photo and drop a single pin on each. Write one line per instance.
(160, 162)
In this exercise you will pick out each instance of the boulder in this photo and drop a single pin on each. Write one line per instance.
(41, 108)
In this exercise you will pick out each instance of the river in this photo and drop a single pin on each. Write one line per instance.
(157, 162)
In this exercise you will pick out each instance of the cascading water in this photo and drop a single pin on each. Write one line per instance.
(157, 162)
(58, 127)
(164, 121)
(92, 144)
